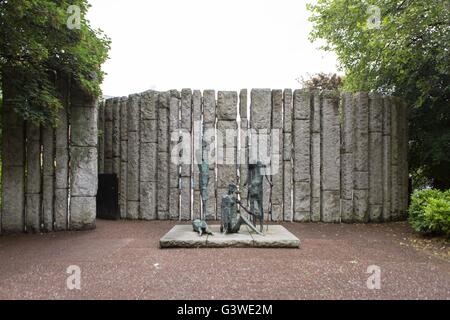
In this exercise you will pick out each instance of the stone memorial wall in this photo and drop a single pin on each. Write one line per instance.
(328, 157)
(49, 175)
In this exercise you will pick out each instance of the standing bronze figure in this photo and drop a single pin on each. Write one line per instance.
(203, 169)
(255, 192)
(200, 225)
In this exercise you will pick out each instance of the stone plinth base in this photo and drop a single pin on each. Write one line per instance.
(182, 236)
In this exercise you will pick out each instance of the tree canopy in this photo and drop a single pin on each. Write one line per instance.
(323, 81)
(41, 38)
(399, 47)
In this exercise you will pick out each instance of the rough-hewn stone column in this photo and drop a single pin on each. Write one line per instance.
(186, 168)
(101, 137)
(402, 158)
(347, 162)
(123, 157)
(226, 141)
(404, 162)
(302, 156)
(108, 148)
(376, 158)
(133, 172)
(316, 158)
(48, 177)
(287, 155)
(13, 160)
(33, 178)
(260, 149)
(244, 144)
(62, 163)
(83, 160)
(277, 157)
(361, 158)
(209, 123)
(395, 192)
(331, 162)
(116, 136)
(163, 157)
(174, 167)
(196, 151)
(148, 173)
(386, 159)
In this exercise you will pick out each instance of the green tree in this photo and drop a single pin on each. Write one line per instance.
(42, 38)
(397, 47)
(322, 81)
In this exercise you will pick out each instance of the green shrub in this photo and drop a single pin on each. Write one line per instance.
(429, 212)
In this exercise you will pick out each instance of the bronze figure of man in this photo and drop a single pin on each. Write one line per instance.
(230, 221)
(203, 169)
(255, 192)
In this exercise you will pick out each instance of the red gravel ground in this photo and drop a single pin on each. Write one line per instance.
(121, 260)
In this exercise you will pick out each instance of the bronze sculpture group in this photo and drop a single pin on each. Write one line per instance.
(231, 221)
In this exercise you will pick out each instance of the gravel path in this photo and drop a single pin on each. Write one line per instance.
(121, 260)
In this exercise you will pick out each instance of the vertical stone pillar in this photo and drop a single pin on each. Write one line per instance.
(403, 175)
(133, 168)
(347, 157)
(226, 142)
(186, 168)
(163, 157)
(401, 160)
(116, 137)
(361, 158)
(101, 137)
(148, 172)
(395, 192)
(196, 151)
(387, 159)
(83, 160)
(107, 136)
(209, 126)
(174, 166)
(33, 178)
(277, 156)
(302, 156)
(123, 157)
(376, 158)
(48, 176)
(405, 166)
(13, 160)
(260, 149)
(62, 162)
(331, 162)
(244, 144)
(287, 155)
(316, 157)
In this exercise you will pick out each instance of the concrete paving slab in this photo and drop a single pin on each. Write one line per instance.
(220, 240)
(276, 236)
(182, 236)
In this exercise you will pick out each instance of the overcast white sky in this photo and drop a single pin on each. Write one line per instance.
(207, 44)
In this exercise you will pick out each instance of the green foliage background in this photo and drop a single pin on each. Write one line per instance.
(36, 44)
(407, 56)
(429, 212)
